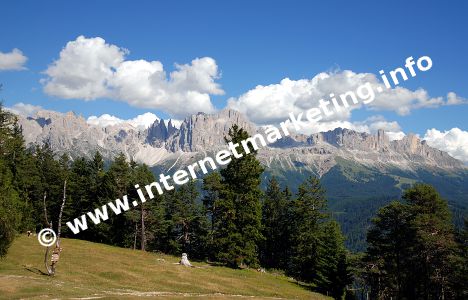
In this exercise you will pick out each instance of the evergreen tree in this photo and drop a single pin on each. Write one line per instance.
(211, 186)
(276, 217)
(219, 212)
(237, 213)
(389, 251)
(157, 223)
(96, 181)
(140, 175)
(85, 194)
(309, 213)
(51, 183)
(333, 271)
(188, 224)
(459, 281)
(10, 209)
(116, 184)
(434, 242)
(10, 205)
(412, 247)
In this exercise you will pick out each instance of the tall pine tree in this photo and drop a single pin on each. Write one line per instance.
(10, 206)
(309, 213)
(237, 214)
(412, 248)
(276, 219)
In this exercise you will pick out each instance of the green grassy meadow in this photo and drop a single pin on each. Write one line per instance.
(95, 271)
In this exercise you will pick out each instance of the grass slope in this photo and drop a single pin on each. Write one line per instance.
(92, 271)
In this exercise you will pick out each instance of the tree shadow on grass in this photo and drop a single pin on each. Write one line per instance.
(35, 270)
(306, 286)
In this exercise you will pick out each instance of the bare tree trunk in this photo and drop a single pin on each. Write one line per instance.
(56, 253)
(58, 249)
(143, 234)
(59, 228)
(135, 237)
(46, 255)
(45, 210)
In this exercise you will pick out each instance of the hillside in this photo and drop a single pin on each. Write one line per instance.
(360, 171)
(96, 271)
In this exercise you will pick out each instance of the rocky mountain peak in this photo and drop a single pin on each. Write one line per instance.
(350, 139)
(205, 131)
(202, 133)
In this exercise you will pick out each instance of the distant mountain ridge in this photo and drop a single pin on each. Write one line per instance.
(202, 133)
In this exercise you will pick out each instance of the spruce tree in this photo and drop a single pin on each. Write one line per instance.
(189, 222)
(140, 175)
(276, 218)
(309, 213)
(11, 148)
(10, 209)
(211, 186)
(332, 269)
(434, 242)
(220, 211)
(156, 223)
(116, 184)
(51, 183)
(412, 247)
(237, 217)
(459, 281)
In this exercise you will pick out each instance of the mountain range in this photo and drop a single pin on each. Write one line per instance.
(360, 171)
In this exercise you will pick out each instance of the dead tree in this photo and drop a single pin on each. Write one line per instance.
(135, 236)
(49, 225)
(143, 234)
(56, 252)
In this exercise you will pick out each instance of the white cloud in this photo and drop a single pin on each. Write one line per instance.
(13, 60)
(454, 99)
(26, 110)
(175, 123)
(141, 121)
(453, 141)
(393, 136)
(83, 69)
(378, 122)
(90, 68)
(104, 120)
(273, 103)
(392, 128)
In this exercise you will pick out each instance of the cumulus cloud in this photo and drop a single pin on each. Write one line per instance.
(104, 120)
(374, 123)
(141, 121)
(26, 110)
(13, 60)
(453, 141)
(90, 68)
(83, 69)
(393, 136)
(454, 99)
(273, 103)
(145, 120)
(175, 123)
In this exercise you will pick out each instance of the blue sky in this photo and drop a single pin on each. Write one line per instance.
(252, 42)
